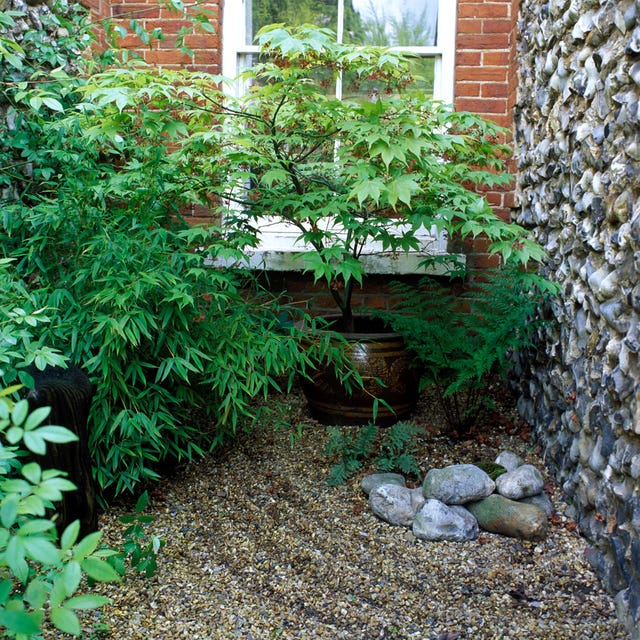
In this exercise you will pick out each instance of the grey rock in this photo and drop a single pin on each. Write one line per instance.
(438, 521)
(457, 484)
(374, 480)
(509, 460)
(498, 514)
(396, 504)
(523, 482)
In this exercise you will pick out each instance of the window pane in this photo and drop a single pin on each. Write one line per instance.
(421, 68)
(322, 13)
(392, 22)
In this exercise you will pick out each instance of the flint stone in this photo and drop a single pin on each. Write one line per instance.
(498, 514)
(509, 460)
(520, 483)
(437, 521)
(457, 484)
(395, 504)
(369, 483)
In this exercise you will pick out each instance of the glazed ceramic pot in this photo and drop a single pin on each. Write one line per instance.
(386, 367)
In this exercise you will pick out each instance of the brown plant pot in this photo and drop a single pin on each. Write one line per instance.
(385, 364)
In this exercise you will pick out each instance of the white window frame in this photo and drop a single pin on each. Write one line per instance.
(278, 249)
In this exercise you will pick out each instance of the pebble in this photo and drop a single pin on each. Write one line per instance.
(325, 567)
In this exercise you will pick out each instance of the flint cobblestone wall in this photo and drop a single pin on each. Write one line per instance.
(578, 139)
(34, 15)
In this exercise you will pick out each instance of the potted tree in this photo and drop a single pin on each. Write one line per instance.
(369, 171)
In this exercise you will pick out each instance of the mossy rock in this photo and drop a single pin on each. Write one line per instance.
(492, 469)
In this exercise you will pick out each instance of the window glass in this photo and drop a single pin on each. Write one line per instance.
(259, 13)
(409, 23)
(423, 69)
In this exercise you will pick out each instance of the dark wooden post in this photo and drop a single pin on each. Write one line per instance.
(69, 393)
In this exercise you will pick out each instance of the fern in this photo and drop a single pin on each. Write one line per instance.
(465, 339)
(398, 450)
(352, 450)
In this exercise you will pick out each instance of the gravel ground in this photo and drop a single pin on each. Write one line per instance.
(258, 546)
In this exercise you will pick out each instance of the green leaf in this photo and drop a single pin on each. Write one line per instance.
(15, 559)
(70, 579)
(14, 435)
(70, 535)
(32, 472)
(38, 525)
(16, 486)
(65, 620)
(143, 502)
(9, 511)
(87, 545)
(59, 435)
(99, 570)
(21, 621)
(19, 412)
(36, 593)
(34, 442)
(6, 586)
(53, 104)
(36, 417)
(402, 188)
(86, 601)
(41, 550)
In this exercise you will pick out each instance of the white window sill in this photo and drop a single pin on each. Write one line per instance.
(379, 263)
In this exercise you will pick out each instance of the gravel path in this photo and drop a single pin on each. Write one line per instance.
(258, 546)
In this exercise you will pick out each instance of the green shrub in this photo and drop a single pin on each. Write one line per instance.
(40, 576)
(140, 548)
(464, 341)
(160, 334)
(398, 450)
(21, 340)
(178, 350)
(354, 446)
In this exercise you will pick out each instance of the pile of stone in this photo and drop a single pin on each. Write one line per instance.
(456, 502)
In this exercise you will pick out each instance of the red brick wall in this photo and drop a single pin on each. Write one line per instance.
(485, 82)
(205, 46)
(484, 44)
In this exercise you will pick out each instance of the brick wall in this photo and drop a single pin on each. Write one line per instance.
(485, 83)
(205, 54)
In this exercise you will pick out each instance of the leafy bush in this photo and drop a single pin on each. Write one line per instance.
(40, 577)
(20, 317)
(353, 446)
(463, 341)
(178, 350)
(158, 332)
(140, 548)
(343, 173)
(398, 449)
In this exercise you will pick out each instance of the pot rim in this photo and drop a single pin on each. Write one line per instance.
(354, 335)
